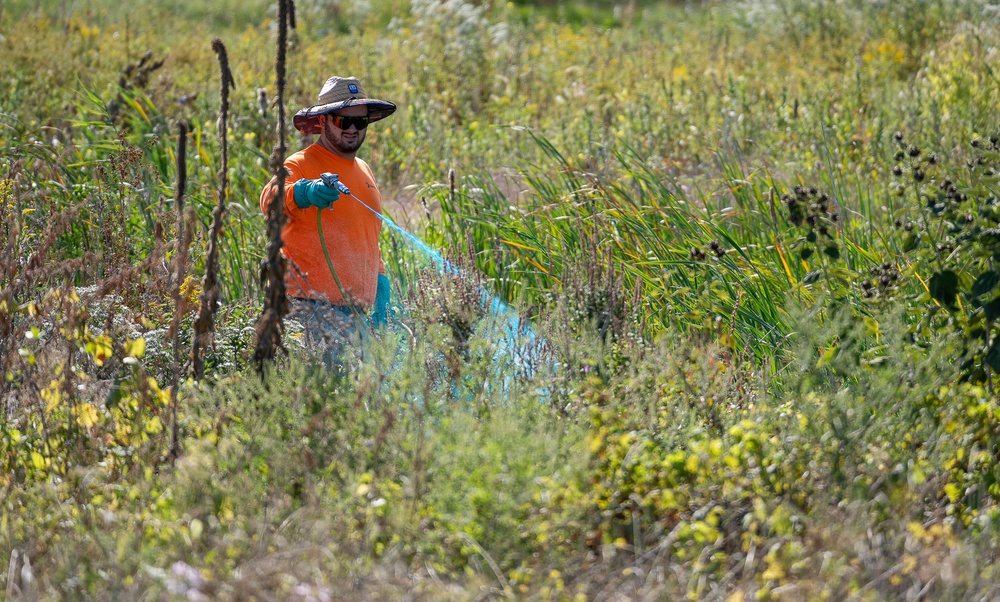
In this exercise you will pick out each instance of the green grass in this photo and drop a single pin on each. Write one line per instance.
(731, 394)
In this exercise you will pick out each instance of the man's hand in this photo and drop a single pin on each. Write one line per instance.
(314, 193)
(380, 313)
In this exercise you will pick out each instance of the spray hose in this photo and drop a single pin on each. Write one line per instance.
(512, 324)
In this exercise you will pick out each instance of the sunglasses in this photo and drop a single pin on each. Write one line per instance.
(344, 122)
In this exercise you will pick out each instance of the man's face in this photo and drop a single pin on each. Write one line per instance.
(345, 141)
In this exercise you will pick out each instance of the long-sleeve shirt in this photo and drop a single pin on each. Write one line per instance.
(351, 231)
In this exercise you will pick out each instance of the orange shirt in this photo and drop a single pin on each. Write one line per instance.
(351, 231)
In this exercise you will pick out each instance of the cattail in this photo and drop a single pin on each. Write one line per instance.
(178, 276)
(205, 324)
(270, 325)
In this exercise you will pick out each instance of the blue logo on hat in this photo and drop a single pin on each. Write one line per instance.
(353, 88)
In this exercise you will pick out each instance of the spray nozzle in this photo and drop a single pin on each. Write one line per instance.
(332, 180)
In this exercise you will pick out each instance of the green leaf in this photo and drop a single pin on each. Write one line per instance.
(992, 309)
(944, 287)
(992, 358)
(990, 237)
(910, 242)
(986, 282)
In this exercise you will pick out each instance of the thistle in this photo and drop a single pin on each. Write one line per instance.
(270, 325)
(183, 239)
(205, 324)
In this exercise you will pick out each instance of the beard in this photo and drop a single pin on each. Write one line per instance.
(347, 147)
(341, 145)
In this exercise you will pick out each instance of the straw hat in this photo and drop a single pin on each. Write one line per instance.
(338, 93)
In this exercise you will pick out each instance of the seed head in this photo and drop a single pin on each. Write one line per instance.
(913, 151)
(262, 101)
(897, 170)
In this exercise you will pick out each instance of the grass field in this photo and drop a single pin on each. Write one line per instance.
(754, 245)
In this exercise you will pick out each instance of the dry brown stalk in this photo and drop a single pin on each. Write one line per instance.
(205, 323)
(270, 325)
(178, 278)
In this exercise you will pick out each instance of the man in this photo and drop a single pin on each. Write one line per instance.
(350, 230)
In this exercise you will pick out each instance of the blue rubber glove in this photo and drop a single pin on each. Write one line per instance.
(380, 313)
(314, 193)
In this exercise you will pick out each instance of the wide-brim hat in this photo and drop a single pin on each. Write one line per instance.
(339, 93)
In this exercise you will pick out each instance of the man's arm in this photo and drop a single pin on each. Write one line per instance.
(269, 191)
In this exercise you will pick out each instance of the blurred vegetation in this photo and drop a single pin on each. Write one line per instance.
(756, 243)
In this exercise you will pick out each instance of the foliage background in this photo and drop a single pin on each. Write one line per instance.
(756, 242)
